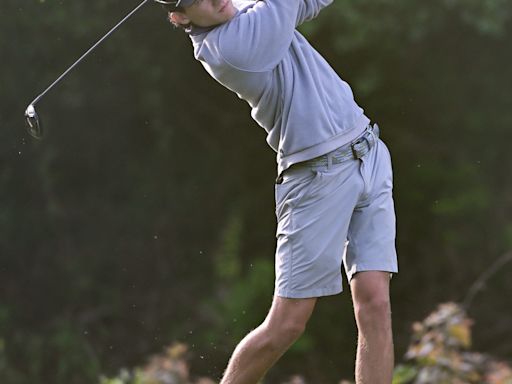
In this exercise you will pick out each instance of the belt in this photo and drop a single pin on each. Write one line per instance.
(354, 150)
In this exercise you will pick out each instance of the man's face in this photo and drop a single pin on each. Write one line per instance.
(208, 13)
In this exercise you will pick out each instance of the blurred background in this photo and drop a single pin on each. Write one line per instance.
(146, 215)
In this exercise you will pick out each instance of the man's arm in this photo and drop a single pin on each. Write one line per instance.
(258, 39)
(310, 9)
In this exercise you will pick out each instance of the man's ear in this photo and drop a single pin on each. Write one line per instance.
(179, 18)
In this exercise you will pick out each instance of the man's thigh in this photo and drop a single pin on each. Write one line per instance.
(314, 208)
(372, 229)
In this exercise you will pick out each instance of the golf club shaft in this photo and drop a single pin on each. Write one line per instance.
(86, 53)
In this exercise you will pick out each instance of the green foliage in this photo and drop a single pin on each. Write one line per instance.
(507, 234)
(250, 294)
(227, 260)
(63, 349)
(8, 373)
(243, 292)
(397, 22)
(404, 373)
(472, 200)
(3, 362)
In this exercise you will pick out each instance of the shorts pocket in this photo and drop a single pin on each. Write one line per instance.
(293, 189)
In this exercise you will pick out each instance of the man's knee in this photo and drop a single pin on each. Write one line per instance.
(370, 293)
(376, 309)
(288, 318)
(293, 328)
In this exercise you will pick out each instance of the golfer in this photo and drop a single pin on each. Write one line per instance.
(333, 190)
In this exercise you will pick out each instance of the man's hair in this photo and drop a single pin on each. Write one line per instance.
(177, 25)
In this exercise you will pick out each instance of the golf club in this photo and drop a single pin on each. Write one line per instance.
(32, 118)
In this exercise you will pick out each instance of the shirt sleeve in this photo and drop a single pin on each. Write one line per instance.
(258, 39)
(310, 9)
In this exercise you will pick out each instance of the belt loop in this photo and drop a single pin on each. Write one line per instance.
(371, 139)
(329, 160)
(375, 131)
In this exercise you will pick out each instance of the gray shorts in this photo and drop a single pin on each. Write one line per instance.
(329, 215)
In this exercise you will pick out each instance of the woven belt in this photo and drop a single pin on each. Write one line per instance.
(354, 150)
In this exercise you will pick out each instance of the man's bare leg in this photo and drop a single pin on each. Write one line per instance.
(375, 356)
(262, 347)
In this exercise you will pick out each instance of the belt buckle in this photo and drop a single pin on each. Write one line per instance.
(370, 136)
(354, 152)
(358, 141)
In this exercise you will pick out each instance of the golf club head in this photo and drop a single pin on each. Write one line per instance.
(34, 125)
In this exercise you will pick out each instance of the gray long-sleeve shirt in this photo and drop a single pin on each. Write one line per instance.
(306, 109)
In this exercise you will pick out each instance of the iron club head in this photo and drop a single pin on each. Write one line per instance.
(34, 126)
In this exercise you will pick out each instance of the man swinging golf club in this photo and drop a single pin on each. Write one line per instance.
(334, 201)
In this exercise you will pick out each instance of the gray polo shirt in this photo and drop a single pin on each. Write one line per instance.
(306, 109)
